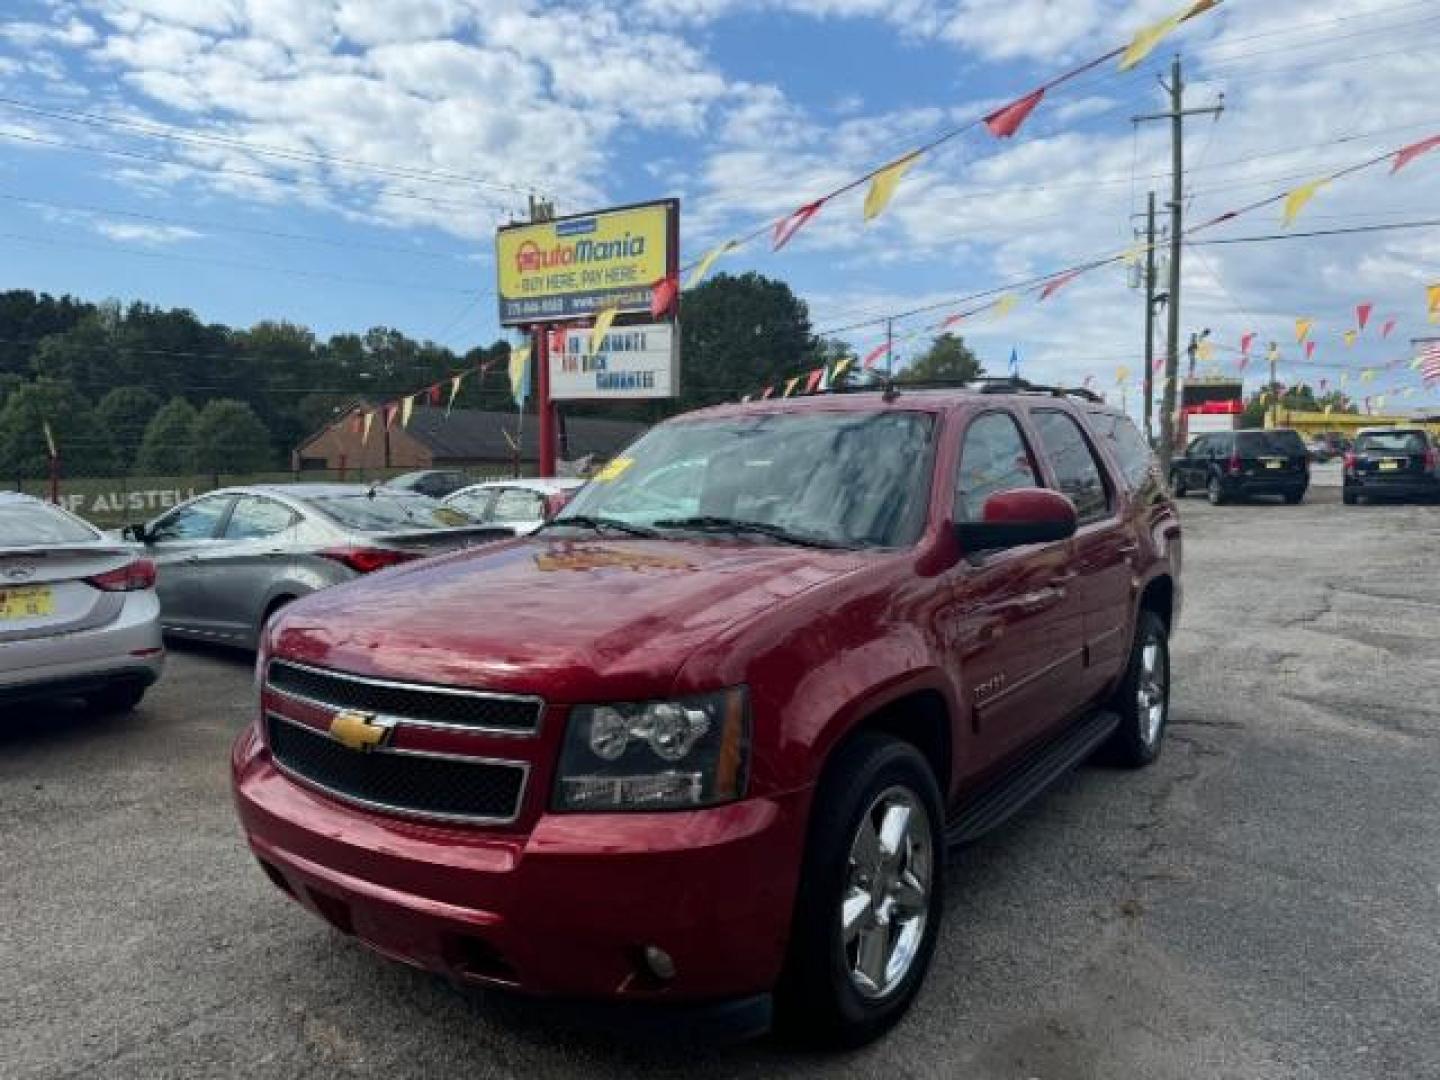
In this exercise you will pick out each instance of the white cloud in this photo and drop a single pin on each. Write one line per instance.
(143, 232)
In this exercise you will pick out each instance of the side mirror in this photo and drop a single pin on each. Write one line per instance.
(135, 533)
(1018, 517)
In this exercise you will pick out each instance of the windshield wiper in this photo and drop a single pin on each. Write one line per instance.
(599, 524)
(712, 523)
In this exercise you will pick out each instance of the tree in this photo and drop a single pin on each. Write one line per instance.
(1300, 398)
(948, 360)
(168, 448)
(23, 451)
(122, 415)
(230, 438)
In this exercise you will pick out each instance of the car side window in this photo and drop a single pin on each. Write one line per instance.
(477, 504)
(1077, 472)
(1199, 446)
(255, 518)
(197, 521)
(517, 504)
(1131, 449)
(993, 458)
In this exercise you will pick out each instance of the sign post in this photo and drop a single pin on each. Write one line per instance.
(540, 357)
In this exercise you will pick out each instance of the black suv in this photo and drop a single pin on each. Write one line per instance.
(1392, 463)
(1238, 464)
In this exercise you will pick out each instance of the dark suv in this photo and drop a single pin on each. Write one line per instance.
(711, 748)
(1392, 463)
(1230, 465)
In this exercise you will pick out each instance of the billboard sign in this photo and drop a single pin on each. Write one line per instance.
(633, 362)
(572, 267)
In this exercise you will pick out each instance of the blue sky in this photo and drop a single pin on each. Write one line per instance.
(448, 110)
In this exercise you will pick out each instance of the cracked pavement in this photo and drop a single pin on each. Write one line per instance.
(1261, 903)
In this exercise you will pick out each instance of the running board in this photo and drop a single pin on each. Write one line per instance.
(994, 804)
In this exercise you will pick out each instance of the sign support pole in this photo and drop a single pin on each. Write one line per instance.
(540, 351)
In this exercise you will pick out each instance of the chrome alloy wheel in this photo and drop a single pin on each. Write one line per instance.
(1152, 690)
(887, 892)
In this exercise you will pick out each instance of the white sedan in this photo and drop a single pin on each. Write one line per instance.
(521, 505)
(78, 613)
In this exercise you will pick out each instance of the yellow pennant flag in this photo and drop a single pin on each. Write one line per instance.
(1004, 305)
(839, 369)
(1415, 364)
(365, 435)
(884, 183)
(602, 324)
(1205, 350)
(1147, 37)
(1349, 337)
(1433, 303)
(1302, 328)
(49, 438)
(1296, 200)
(520, 374)
(707, 261)
(790, 386)
(406, 408)
(1122, 373)
(1132, 254)
(454, 391)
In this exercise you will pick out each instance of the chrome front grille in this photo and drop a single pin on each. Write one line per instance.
(412, 703)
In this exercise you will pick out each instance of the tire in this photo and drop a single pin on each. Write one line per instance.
(821, 1001)
(1295, 498)
(116, 698)
(1138, 739)
(1214, 492)
(1349, 498)
(1177, 485)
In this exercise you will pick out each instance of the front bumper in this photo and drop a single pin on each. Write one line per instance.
(129, 649)
(565, 909)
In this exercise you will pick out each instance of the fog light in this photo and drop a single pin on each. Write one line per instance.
(659, 963)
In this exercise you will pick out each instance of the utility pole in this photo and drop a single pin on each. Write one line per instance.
(1176, 116)
(1150, 319)
(1274, 393)
(889, 350)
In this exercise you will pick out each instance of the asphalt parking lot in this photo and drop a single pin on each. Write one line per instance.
(1264, 902)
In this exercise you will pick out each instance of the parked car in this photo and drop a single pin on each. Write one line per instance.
(1392, 463)
(78, 613)
(1230, 465)
(720, 757)
(436, 483)
(520, 505)
(230, 559)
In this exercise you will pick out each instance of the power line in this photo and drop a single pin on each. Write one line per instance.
(1267, 237)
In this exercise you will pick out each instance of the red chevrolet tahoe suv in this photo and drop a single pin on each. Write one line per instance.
(707, 737)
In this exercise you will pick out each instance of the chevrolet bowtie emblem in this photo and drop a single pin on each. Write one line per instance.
(358, 731)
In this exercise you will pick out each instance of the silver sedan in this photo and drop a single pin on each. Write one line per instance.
(230, 559)
(78, 612)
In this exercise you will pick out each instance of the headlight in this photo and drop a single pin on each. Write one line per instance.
(656, 755)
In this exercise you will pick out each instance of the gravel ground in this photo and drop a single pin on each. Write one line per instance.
(1261, 903)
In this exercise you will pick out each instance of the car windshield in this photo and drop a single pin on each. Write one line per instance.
(851, 479)
(26, 524)
(1257, 443)
(388, 512)
(1391, 442)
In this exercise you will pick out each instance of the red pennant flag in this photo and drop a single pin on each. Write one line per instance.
(1056, 284)
(766, 392)
(1414, 150)
(787, 228)
(1244, 361)
(1385, 330)
(390, 411)
(1245, 341)
(435, 394)
(1362, 314)
(662, 296)
(951, 320)
(813, 380)
(356, 423)
(875, 354)
(1309, 350)
(1004, 122)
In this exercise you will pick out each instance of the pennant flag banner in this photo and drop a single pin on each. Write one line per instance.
(1349, 337)
(1362, 314)
(49, 439)
(1309, 350)
(406, 408)
(355, 422)
(662, 296)
(790, 386)
(454, 392)
(1054, 285)
(951, 320)
(390, 411)
(1122, 373)
(1245, 341)
(813, 380)
(707, 261)
(764, 394)
(1408, 154)
(1385, 330)
(1302, 328)
(1004, 122)
(840, 368)
(884, 183)
(365, 436)
(1205, 351)
(1145, 39)
(874, 355)
(520, 375)
(434, 393)
(602, 324)
(1132, 254)
(1296, 200)
(1004, 305)
(789, 226)
(1433, 298)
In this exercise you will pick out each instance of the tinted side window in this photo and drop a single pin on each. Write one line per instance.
(1131, 449)
(517, 504)
(255, 518)
(993, 458)
(1077, 472)
(194, 522)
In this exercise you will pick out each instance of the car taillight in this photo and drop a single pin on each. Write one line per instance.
(132, 577)
(367, 560)
(1234, 464)
(1349, 462)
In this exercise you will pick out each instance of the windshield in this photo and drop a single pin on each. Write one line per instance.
(388, 512)
(1392, 442)
(24, 524)
(1255, 443)
(839, 478)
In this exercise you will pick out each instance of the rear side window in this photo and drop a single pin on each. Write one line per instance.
(1077, 473)
(255, 518)
(27, 524)
(1260, 443)
(1130, 448)
(387, 512)
(1392, 442)
(993, 458)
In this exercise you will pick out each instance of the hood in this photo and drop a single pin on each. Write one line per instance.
(568, 620)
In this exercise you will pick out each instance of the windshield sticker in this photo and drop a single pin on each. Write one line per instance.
(614, 470)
